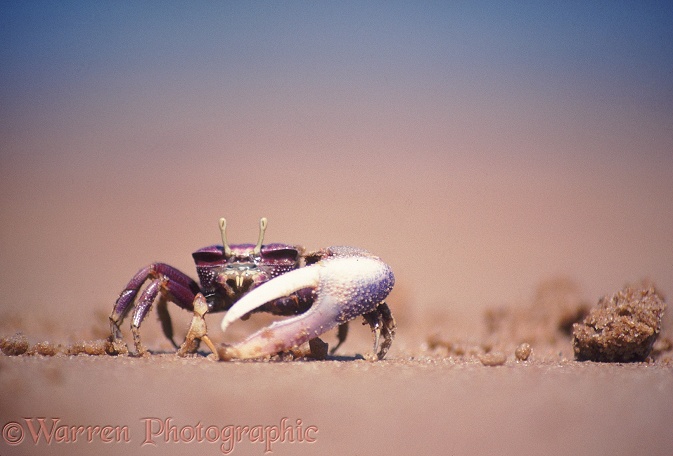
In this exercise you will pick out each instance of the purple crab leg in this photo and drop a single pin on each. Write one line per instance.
(154, 271)
(165, 280)
(345, 286)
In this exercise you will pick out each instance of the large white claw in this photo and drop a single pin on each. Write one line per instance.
(284, 285)
(344, 287)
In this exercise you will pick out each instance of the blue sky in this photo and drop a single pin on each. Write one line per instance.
(529, 81)
(606, 50)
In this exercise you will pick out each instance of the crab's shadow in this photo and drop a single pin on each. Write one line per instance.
(205, 354)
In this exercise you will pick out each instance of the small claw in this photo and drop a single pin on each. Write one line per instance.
(344, 287)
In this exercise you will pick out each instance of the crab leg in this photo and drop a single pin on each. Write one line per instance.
(197, 329)
(344, 287)
(164, 281)
(383, 324)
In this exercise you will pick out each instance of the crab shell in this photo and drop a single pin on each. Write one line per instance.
(224, 279)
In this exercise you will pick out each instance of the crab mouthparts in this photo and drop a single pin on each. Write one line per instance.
(238, 281)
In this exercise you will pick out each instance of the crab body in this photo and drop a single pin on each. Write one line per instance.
(224, 280)
(320, 290)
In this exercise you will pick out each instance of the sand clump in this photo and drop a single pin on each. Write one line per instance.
(45, 349)
(495, 358)
(523, 351)
(621, 328)
(18, 345)
(93, 348)
(14, 345)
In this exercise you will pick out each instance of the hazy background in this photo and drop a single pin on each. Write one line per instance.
(479, 148)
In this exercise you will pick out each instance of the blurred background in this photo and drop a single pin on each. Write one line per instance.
(479, 148)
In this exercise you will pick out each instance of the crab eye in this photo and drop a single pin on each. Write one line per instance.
(208, 257)
(280, 254)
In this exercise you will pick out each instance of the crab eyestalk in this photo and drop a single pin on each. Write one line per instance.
(262, 230)
(223, 232)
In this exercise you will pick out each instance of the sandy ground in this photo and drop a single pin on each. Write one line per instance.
(472, 291)
(434, 393)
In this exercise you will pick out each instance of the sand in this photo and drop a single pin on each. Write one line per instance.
(512, 386)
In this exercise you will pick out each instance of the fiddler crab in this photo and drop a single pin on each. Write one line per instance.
(318, 290)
